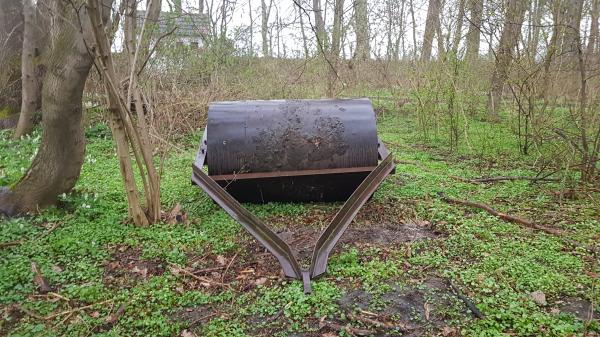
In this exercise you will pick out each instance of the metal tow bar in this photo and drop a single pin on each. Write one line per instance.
(274, 244)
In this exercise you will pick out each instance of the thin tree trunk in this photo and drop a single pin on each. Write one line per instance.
(11, 42)
(337, 28)
(304, 39)
(57, 165)
(389, 30)
(571, 36)
(321, 35)
(264, 28)
(515, 15)
(593, 38)
(459, 25)
(431, 27)
(414, 29)
(400, 39)
(251, 47)
(29, 82)
(336, 38)
(474, 33)
(538, 12)
(361, 19)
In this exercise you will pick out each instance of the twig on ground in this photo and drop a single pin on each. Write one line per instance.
(39, 279)
(481, 180)
(378, 324)
(198, 320)
(512, 178)
(348, 329)
(178, 269)
(476, 312)
(503, 216)
(74, 310)
(10, 244)
(114, 318)
(228, 266)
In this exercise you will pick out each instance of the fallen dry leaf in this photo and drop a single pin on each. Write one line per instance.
(187, 333)
(221, 260)
(39, 279)
(260, 281)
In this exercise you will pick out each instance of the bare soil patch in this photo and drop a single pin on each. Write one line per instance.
(127, 268)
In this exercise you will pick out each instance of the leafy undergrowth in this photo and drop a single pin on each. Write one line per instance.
(401, 263)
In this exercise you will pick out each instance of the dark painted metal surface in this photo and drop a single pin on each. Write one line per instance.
(295, 135)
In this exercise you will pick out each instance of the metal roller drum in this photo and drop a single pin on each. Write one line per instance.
(292, 150)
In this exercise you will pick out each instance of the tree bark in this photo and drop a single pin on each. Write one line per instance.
(29, 83)
(593, 38)
(11, 41)
(57, 165)
(264, 29)
(321, 35)
(459, 25)
(571, 38)
(336, 40)
(414, 28)
(361, 19)
(431, 27)
(509, 38)
(304, 38)
(538, 11)
(474, 33)
(336, 35)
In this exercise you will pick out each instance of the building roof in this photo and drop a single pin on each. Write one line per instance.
(188, 24)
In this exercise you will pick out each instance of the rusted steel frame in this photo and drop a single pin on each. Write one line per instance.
(259, 175)
(251, 223)
(342, 219)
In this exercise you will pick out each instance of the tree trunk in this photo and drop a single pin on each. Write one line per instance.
(474, 33)
(509, 38)
(336, 39)
(431, 27)
(336, 35)
(11, 42)
(304, 39)
(593, 38)
(538, 12)
(361, 19)
(458, 30)
(56, 166)
(29, 82)
(414, 28)
(321, 35)
(571, 37)
(264, 28)
(201, 6)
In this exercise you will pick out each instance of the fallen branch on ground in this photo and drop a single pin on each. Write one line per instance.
(74, 310)
(476, 312)
(481, 180)
(176, 269)
(503, 216)
(10, 244)
(512, 178)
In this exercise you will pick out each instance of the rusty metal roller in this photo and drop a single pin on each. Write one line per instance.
(291, 150)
